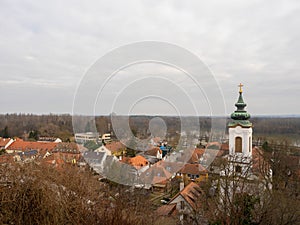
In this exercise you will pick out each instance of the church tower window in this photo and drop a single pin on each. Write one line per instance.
(238, 144)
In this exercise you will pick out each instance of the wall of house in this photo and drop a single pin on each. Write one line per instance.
(178, 201)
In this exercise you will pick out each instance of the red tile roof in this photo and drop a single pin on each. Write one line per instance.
(166, 210)
(199, 151)
(153, 151)
(197, 154)
(137, 161)
(21, 145)
(156, 174)
(193, 169)
(258, 160)
(115, 146)
(172, 167)
(192, 194)
(225, 147)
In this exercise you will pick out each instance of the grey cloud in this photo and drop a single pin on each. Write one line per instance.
(48, 46)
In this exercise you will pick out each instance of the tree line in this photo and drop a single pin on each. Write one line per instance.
(20, 125)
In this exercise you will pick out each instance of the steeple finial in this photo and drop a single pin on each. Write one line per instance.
(241, 85)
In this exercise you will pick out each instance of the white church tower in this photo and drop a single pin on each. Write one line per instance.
(240, 134)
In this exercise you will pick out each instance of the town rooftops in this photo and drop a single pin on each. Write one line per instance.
(68, 147)
(153, 151)
(137, 161)
(191, 194)
(115, 146)
(192, 169)
(155, 174)
(20, 145)
(196, 155)
(94, 157)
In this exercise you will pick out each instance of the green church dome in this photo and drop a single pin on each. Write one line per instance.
(240, 116)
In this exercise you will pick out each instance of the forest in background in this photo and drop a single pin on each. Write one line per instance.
(54, 125)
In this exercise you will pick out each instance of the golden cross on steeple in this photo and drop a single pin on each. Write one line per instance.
(241, 85)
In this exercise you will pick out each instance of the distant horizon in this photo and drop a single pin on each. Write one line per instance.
(152, 115)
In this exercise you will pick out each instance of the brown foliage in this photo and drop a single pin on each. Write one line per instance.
(38, 194)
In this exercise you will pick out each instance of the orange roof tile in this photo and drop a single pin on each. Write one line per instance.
(137, 161)
(225, 147)
(191, 193)
(259, 164)
(197, 154)
(156, 174)
(172, 167)
(31, 145)
(115, 146)
(199, 151)
(153, 151)
(193, 169)
(166, 210)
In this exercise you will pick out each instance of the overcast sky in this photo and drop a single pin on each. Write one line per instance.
(47, 46)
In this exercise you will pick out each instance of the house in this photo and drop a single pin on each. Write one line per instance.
(69, 152)
(26, 156)
(165, 150)
(167, 210)
(53, 161)
(187, 201)
(156, 177)
(103, 149)
(49, 139)
(196, 155)
(99, 161)
(21, 146)
(154, 152)
(67, 147)
(95, 160)
(106, 138)
(82, 138)
(117, 148)
(171, 167)
(194, 172)
(138, 162)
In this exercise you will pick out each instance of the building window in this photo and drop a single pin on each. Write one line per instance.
(238, 144)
